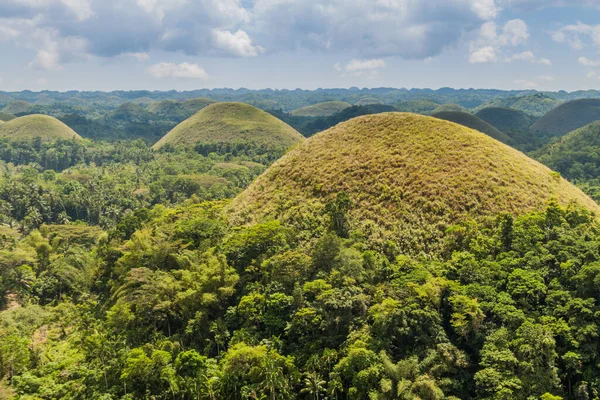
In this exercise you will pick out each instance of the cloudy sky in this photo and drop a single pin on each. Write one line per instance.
(191, 44)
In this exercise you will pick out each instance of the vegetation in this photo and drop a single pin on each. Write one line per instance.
(535, 105)
(179, 110)
(567, 117)
(321, 110)
(424, 107)
(6, 117)
(506, 120)
(450, 107)
(37, 126)
(16, 107)
(408, 178)
(230, 125)
(471, 121)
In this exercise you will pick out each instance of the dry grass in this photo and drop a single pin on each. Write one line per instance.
(33, 126)
(408, 176)
(234, 123)
(322, 109)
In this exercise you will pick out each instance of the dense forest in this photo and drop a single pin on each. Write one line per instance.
(123, 277)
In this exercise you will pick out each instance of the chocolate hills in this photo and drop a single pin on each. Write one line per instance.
(568, 117)
(16, 107)
(232, 124)
(408, 177)
(321, 110)
(471, 121)
(505, 119)
(34, 126)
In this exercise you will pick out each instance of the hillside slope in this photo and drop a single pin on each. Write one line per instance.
(232, 124)
(473, 122)
(33, 126)
(568, 117)
(321, 110)
(506, 120)
(408, 178)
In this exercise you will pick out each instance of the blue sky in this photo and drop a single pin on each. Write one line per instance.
(192, 44)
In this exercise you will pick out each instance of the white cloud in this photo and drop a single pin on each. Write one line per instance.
(485, 54)
(139, 56)
(489, 45)
(179, 71)
(528, 56)
(534, 83)
(588, 63)
(574, 35)
(237, 44)
(361, 68)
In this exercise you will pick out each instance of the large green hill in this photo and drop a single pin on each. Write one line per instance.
(17, 107)
(321, 109)
(568, 117)
(6, 117)
(231, 125)
(407, 177)
(37, 126)
(506, 120)
(450, 107)
(471, 121)
(535, 104)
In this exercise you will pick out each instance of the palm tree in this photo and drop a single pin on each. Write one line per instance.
(314, 385)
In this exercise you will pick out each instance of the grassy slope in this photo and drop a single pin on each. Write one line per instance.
(536, 105)
(163, 107)
(408, 176)
(192, 106)
(424, 107)
(473, 122)
(568, 117)
(232, 123)
(450, 107)
(33, 126)
(16, 107)
(506, 119)
(6, 117)
(321, 109)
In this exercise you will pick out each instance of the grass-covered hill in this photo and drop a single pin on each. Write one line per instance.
(17, 107)
(505, 119)
(178, 110)
(401, 177)
(568, 117)
(231, 125)
(6, 117)
(130, 112)
(34, 126)
(471, 121)
(450, 107)
(368, 100)
(424, 107)
(576, 156)
(321, 110)
(534, 104)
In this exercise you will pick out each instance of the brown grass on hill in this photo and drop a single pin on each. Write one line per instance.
(409, 177)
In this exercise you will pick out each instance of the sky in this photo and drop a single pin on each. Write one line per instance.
(286, 44)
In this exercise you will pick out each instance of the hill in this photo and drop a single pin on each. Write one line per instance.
(535, 105)
(321, 110)
(367, 101)
(506, 120)
(232, 124)
(130, 112)
(6, 117)
(473, 122)
(568, 117)
(192, 106)
(179, 110)
(164, 107)
(33, 126)
(424, 107)
(575, 156)
(450, 107)
(17, 107)
(407, 177)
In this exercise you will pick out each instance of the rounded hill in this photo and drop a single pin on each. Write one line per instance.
(232, 124)
(450, 107)
(471, 121)
(34, 126)
(6, 117)
(321, 110)
(575, 156)
(506, 119)
(568, 117)
(17, 107)
(408, 178)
